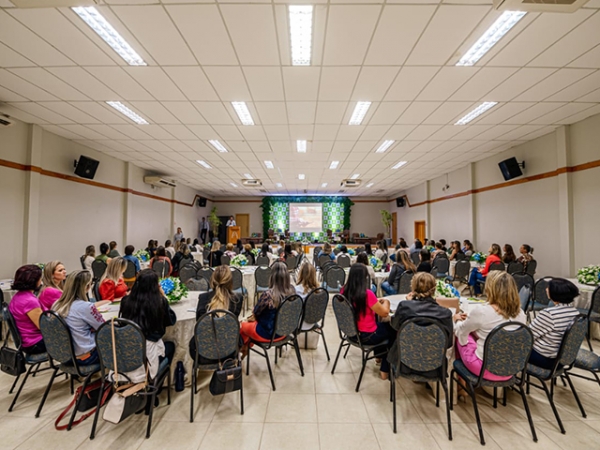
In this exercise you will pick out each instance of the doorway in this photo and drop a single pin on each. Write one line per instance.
(243, 221)
(394, 229)
(420, 230)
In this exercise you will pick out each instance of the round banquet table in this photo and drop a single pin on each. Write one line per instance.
(584, 301)
(8, 293)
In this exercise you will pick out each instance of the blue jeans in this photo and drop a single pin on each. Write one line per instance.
(93, 359)
(474, 278)
(384, 331)
(388, 288)
(373, 289)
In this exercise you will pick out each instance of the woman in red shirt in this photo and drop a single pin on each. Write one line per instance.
(112, 286)
(478, 275)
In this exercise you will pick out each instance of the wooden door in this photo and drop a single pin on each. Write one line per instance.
(243, 221)
(394, 229)
(420, 230)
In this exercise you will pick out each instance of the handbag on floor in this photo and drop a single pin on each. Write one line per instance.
(89, 400)
(228, 377)
(11, 360)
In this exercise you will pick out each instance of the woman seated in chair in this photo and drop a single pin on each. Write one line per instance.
(287, 252)
(478, 275)
(423, 286)
(214, 259)
(182, 252)
(161, 255)
(53, 279)
(425, 264)
(437, 250)
(368, 249)
(26, 309)
(229, 251)
(147, 306)
(260, 325)
(551, 324)
(381, 249)
(327, 250)
(89, 257)
(508, 254)
(151, 249)
(472, 330)
(402, 264)
(81, 316)
(362, 258)
(103, 256)
(112, 286)
(367, 307)
(265, 251)
(221, 296)
(526, 254)
(455, 250)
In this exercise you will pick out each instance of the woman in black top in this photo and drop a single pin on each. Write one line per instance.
(151, 249)
(368, 250)
(215, 254)
(425, 265)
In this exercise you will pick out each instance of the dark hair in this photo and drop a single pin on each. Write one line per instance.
(167, 243)
(103, 248)
(528, 248)
(27, 277)
(151, 243)
(195, 242)
(288, 249)
(425, 255)
(129, 249)
(438, 245)
(145, 305)
(418, 244)
(509, 254)
(264, 249)
(443, 241)
(252, 244)
(368, 250)
(112, 244)
(562, 291)
(239, 244)
(356, 287)
(344, 249)
(362, 258)
(403, 244)
(160, 251)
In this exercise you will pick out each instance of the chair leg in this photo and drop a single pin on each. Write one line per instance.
(149, 428)
(248, 361)
(297, 348)
(337, 356)
(20, 389)
(583, 414)
(12, 388)
(39, 410)
(347, 350)
(83, 386)
(452, 389)
(325, 345)
(553, 406)
(362, 371)
(72, 382)
(192, 393)
(495, 397)
(242, 398)
(526, 405)
(275, 355)
(476, 409)
(97, 413)
(169, 385)
(437, 394)
(504, 395)
(269, 367)
(448, 403)
(393, 395)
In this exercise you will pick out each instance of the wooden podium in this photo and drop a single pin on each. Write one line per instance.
(233, 234)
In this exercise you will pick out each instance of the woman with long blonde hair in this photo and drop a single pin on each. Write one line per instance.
(307, 280)
(112, 286)
(214, 258)
(53, 279)
(402, 264)
(471, 331)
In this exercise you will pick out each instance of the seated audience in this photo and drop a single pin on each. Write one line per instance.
(214, 258)
(471, 330)
(509, 254)
(479, 274)
(381, 249)
(169, 249)
(296, 248)
(306, 283)
(455, 250)
(103, 256)
(129, 249)
(196, 247)
(363, 258)
(89, 257)
(26, 308)
(416, 247)
(53, 279)
(182, 252)
(368, 249)
(468, 250)
(443, 242)
(551, 324)
(526, 254)
(112, 286)
(238, 246)
(438, 250)
(178, 235)
(425, 264)
(161, 255)
(151, 249)
(113, 253)
(265, 251)
(403, 263)
(287, 252)
(230, 251)
(327, 251)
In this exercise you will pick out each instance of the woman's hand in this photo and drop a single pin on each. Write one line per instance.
(459, 316)
(410, 296)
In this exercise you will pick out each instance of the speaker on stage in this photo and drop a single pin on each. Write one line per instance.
(86, 167)
(202, 202)
(400, 202)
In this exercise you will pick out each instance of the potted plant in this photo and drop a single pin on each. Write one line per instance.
(214, 220)
(386, 219)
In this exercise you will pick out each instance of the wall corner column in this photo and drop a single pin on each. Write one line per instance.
(565, 202)
(428, 226)
(472, 205)
(32, 195)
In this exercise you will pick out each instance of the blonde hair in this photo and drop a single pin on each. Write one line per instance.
(48, 275)
(423, 285)
(229, 247)
(307, 278)
(216, 246)
(247, 247)
(402, 257)
(279, 283)
(221, 283)
(115, 270)
(326, 248)
(76, 287)
(501, 290)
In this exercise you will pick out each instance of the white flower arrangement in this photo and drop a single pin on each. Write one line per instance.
(446, 290)
(376, 263)
(239, 261)
(174, 289)
(589, 275)
(479, 257)
(142, 255)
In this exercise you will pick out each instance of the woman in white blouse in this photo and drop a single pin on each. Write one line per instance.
(472, 330)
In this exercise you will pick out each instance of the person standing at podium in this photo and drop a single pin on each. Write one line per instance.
(231, 222)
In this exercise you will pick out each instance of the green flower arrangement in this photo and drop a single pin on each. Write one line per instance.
(376, 263)
(142, 255)
(174, 289)
(479, 257)
(445, 290)
(239, 261)
(255, 252)
(589, 275)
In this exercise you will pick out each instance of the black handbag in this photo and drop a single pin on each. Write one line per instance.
(228, 377)
(11, 360)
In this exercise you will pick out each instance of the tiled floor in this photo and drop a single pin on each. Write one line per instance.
(317, 411)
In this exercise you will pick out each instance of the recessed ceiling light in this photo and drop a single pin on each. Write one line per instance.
(216, 144)
(105, 30)
(269, 164)
(128, 112)
(370, 184)
(400, 164)
(334, 164)
(233, 184)
(248, 176)
(492, 35)
(300, 17)
(360, 111)
(355, 176)
(476, 113)
(383, 147)
(204, 164)
(243, 112)
(301, 176)
(324, 185)
(278, 185)
(301, 146)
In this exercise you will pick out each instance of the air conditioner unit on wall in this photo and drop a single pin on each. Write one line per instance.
(252, 183)
(351, 183)
(556, 6)
(5, 120)
(159, 182)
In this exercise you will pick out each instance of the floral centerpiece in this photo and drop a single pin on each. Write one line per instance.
(445, 290)
(479, 257)
(239, 261)
(255, 252)
(376, 263)
(589, 275)
(351, 252)
(40, 265)
(142, 255)
(174, 289)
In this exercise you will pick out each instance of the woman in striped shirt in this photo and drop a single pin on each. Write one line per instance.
(550, 325)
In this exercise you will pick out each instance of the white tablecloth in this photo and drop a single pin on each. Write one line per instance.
(6, 290)
(584, 301)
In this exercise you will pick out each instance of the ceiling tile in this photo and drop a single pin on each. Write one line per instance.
(301, 112)
(301, 83)
(417, 112)
(22, 87)
(409, 82)
(84, 82)
(337, 83)
(10, 58)
(229, 83)
(518, 83)
(49, 82)
(554, 83)
(156, 81)
(481, 83)
(185, 112)
(192, 82)
(272, 113)
(155, 112)
(119, 81)
(373, 83)
(265, 83)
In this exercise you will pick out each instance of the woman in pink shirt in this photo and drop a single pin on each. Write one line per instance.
(478, 275)
(53, 279)
(26, 309)
(366, 307)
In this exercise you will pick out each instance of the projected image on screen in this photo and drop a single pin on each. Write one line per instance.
(306, 217)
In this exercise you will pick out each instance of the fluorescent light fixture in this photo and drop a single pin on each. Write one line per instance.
(301, 176)
(233, 184)
(355, 176)
(370, 184)
(216, 144)
(360, 111)
(100, 25)
(300, 17)
(204, 164)
(400, 164)
(301, 146)
(278, 185)
(334, 164)
(476, 112)
(248, 176)
(128, 112)
(243, 112)
(324, 185)
(383, 147)
(269, 164)
(493, 34)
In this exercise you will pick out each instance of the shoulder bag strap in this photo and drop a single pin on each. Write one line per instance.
(114, 351)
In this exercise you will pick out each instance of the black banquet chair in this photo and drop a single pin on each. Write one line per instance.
(98, 268)
(593, 314)
(162, 268)
(315, 307)
(403, 286)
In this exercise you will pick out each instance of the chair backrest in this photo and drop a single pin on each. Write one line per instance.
(185, 261)
(507, 349)
(130, 270)
(82, 261)
(57, 337)
(291, 262)
(315, 305)
(572, 341)
(326, 266)
(336, 251)
(595, 305)
(384, 258)
(324, 259)
(225, 260)
(405, 281)
(197, 284)
(316, 252)
(205, 253)
(186, 273)
(497, 266)
(335, 277)
(98, 268)
(96, 291)
(237, 278)
(262, 261)
(531, 266)
(462, 269)
(206, 273)
(523, 279)
(415, 258)
(344, 261)
(515, 267)
(288, 315)
(461, 257)
(344, 315)
(422, 345)
(441, 255)
(262, 275)
(442, 263)
(250, 258)
(539, 290)
(129, 346)
(12, 326)
(227, 330)
(162, 268)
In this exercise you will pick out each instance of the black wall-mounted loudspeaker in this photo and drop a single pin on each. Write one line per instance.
(511, 168)
(201, 202)
(86, 167)
(400, 202)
